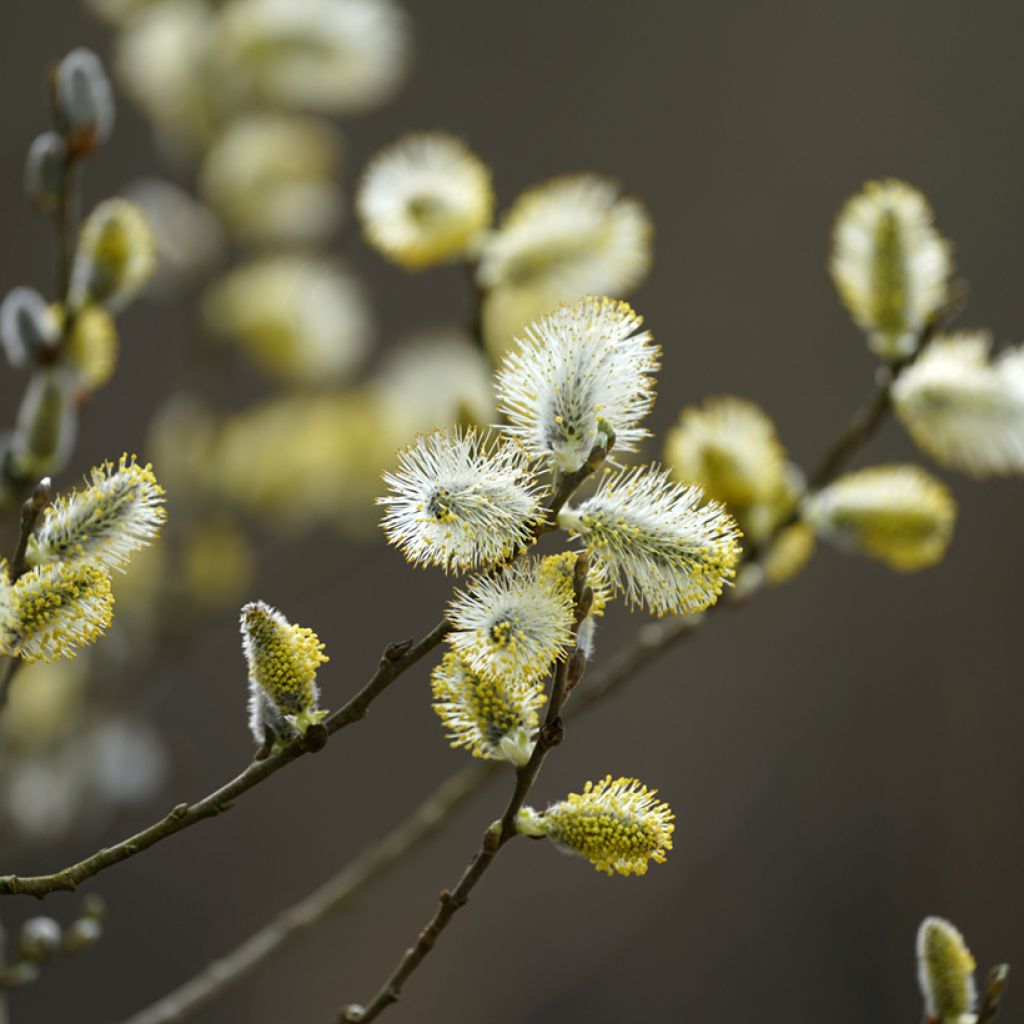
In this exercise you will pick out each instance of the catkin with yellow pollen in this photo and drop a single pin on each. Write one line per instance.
(495, 719)
(283, 660)
(120, 511)
(660, 546)
(618, 825)
(512, 624)
(52, 610)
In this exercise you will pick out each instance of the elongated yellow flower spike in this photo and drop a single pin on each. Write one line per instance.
(617, 825)
(120, 511)
(901, 515)
(52, 610)
(945, 970)
(283, 660)
(298, 318)
(658, 543)
(494, 719)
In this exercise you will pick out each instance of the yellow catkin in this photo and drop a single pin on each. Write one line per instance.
(479, 713)
(618, 825)
(53, 610)
(945, 970)
(561, 569)
(283, 659)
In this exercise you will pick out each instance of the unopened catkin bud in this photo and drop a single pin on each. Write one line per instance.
(82, 934)
(92, 346)
(890, 265)
(46, 426)
(84, 100)
(115, 256)
(945, 970)
(28, 327)
(46, 171)
(39, 938)
(899, 514)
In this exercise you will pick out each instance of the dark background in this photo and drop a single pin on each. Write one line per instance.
(844, 755)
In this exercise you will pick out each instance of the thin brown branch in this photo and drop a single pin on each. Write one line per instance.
(30, 512)
(66, 226)
(567, 673)
(866, 421)
(184, 815)
(861, 429)
(11, 665)
(337, 893)
(396, 660)
(330, 898)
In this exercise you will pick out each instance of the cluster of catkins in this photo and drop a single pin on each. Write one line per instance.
(572, 390)
(427, 199)
(69, 343)
(575, 391)
(56, 597)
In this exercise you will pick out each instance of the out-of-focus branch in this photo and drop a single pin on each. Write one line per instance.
(329, 899)
(868, 419)
(4, 1015)
(568, 672)
(651, 641)
(397, 658)
(66, 226)
(337, 893)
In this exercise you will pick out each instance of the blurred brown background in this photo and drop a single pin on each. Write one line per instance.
(844, 756)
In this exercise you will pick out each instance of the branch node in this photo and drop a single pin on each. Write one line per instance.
(315, 738)
(574, 673)
(552, 734)
(397, 650)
